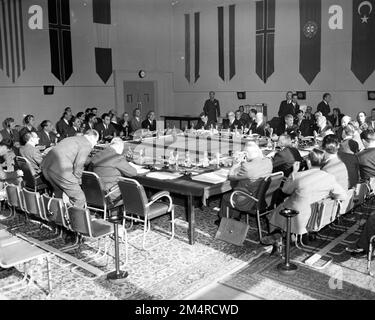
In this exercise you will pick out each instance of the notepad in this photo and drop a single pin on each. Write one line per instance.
(164, 175)
(140, 169)
(212, 177)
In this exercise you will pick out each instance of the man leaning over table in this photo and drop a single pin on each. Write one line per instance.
(245, 176)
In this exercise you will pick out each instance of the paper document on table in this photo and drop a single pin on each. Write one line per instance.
(164, 175)
(140, 169)
(212, 177)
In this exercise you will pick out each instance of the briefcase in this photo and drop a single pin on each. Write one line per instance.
(232, 231)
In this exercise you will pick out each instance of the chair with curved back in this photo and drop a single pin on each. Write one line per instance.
(15, 200)
(96, 198)
(30, 181)
(136, 204)
(261, 199)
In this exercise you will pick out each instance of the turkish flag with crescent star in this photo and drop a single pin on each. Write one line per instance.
(363, 42)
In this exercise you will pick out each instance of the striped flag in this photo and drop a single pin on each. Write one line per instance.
(103, 53)
(12, 49)
(60, 39)
(226, 41)
(265, 38)
(192, 42)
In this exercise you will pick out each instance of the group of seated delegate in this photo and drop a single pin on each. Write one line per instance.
(345, 158)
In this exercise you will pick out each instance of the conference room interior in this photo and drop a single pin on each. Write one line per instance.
(187, 150)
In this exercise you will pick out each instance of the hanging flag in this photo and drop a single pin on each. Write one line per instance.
(265, 38)
(192, 45)
(310, 38)
(103, 53)
(363, 41)
(12, 49)
(60, 39)
(226, 41)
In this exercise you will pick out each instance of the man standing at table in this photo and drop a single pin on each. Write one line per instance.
(323, 106)
(212, 108)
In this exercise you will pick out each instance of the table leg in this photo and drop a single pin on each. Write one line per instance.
(191, 218)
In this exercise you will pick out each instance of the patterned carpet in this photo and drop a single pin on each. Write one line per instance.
(170, 271)
(346, 278)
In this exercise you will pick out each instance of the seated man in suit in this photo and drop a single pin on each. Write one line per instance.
(28, 121)
(90, 122)
(348, 145)
(105, 128)
(231, 123)
(135, 122)
(75, 129)
(323, 106)
(241, 123)
(46, 135)
(62, 167)
(150, 122)
(323, 127)
(333, 163)
(10, 133)
(31, 153)
(286, 157)
(287, 126)
(344, 122)
(8, 176)
(246, 176)
(259, 126)
(366, 157)
(305, 126)
(244, 116)
(110, 164)
(286, 106)
(204, 123)
(125, 125)
(305, 188)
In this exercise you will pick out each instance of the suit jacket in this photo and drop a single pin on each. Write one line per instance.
(366, 160)
(117, 127)
(323, 108)
(146, 124)
(305, 127)
(34, 156)
(352, 165)
(67, 159)
(135, 125)
(284, 160)
(86, 126)
(103, 132)
(306, 188)
(125, 128)
(339, 170)
(238, 123)
(206, 126)
(261, 130)
(109, 166)
(212, 109)
(349, 146)
(336, 122)
(282, 129)
(45, 140)
(62, 129)
(13, 135)
(246, 119)
(22, 133)
(286, 108)
(253, 172)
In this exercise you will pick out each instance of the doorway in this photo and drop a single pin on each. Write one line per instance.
(139, 94)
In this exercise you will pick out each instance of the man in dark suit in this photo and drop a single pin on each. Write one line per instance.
(348, 145)
(10, 133)
(109, 164)
(90, 122)
(305, 126)
(295, 103)
(244, 117)
(46, 134)
(323, 106)
(105, 128)
(31, 153)
(366, 157)
(212, 108)
(150, 122)
(135, 122)
(63, 125)
(259, 126)
(286, 106)
(203, 122)
(287, 126)
(231, 123)
(285, 158)
(344, 122)
(62, 167)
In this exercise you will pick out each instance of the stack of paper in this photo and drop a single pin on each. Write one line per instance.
(140, 169)
(164, 175)
(212, 177)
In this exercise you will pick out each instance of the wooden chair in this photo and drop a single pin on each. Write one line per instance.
(136, 204)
